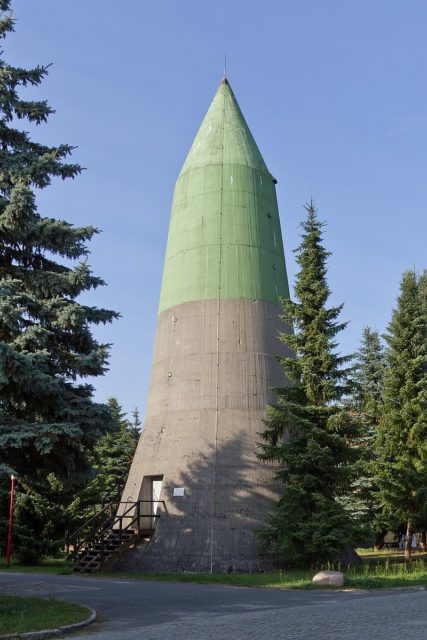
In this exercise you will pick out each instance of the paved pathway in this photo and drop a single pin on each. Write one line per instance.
(131, 610)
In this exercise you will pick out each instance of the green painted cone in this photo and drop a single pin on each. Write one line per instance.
(224, 239)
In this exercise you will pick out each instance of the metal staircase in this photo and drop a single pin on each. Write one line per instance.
(102, 539)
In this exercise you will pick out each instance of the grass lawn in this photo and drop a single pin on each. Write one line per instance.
(56, 566)
(380, 570)
(369, 576)
(18, 615)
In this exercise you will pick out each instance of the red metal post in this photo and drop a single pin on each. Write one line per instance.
(9, 533)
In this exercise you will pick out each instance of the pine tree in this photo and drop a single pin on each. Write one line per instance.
(45, 512)
(422, 282)
(366, 400)
(136, 424)
(47, 416)
(42, 516)
(402, 435)
(308, 432)
(423, 292)
(111, 459)
(369, 373)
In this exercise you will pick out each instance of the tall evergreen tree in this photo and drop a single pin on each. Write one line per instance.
(366, 399)
(369, 371)
(136, 423)
(45, 512)
(422, 282)
(402, 436)
(308, 433)
(47, 415)
(112, 457)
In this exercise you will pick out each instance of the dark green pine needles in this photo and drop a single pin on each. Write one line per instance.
(308, 433)
(47, 415)
(369, 372)
(367, 402)
(402, 435)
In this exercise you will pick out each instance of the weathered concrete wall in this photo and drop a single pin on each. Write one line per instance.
(213, 369)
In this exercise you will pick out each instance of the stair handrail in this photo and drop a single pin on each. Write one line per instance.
(105, 525)
(86, 523)
(109, 523)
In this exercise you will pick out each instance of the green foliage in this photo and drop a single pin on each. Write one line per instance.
(45, 511)
(402, 435)
(369, 372)
(42, 516)
(112, 457)
(308, 433)
(366, 400)
(20, 615)
(47, 416)
(49, 422)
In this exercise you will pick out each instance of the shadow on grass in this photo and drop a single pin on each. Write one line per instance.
(57, 566)
(383, 572)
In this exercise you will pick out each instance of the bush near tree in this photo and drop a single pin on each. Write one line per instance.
(45, 514)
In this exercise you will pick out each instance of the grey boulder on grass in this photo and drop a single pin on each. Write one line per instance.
(329, 578)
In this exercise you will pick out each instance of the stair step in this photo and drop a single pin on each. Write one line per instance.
(102, 543)
(98, 547)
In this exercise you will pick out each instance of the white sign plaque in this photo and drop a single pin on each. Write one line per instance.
(178, 492)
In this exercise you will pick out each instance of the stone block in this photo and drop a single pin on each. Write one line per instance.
(329, 579)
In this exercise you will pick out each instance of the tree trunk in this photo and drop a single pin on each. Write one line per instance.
(423, 541)
(349, 558)
(408, 541)
(379, 540)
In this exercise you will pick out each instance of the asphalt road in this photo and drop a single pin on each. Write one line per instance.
(130, 610)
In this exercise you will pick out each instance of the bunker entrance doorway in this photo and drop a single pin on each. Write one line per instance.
(151, 490)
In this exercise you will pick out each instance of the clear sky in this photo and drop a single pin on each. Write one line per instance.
(334, 92)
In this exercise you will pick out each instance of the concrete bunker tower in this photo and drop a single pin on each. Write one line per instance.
(214, 359)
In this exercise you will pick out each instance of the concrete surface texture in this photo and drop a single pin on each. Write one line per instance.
(215, 359)
(201, 433)
(129, 610)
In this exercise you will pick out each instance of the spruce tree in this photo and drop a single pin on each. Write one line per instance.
(369, 371)
(422, 283)
(46, 512)
(112, 457)
(402, 435)
(308, 433)
(366, 400)
(47, 415)
(136, 423)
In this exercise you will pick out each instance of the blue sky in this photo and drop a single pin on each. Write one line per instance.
(334, 93)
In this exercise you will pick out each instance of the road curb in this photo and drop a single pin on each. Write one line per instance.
(52, 633)
(415, 587)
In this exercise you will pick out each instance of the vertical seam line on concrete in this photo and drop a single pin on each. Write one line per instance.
(217, 343)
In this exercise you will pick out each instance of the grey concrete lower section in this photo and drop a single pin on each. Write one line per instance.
(214, 366)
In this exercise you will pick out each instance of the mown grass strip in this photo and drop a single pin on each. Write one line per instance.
(19, 615)
(54, 566)
(379, 571)
(379, 575)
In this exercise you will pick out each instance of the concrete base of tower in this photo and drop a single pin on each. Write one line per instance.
(215, 365)
(152, 557)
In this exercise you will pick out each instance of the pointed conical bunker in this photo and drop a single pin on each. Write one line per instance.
(215, 361)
